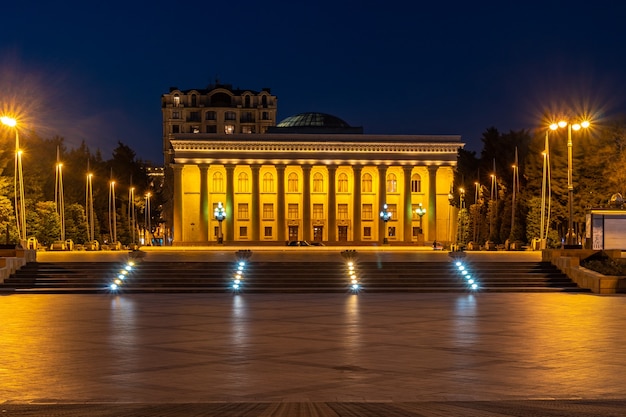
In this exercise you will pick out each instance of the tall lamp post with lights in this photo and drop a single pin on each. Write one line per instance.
(220, 215)
(385, 216)
(20, 208)
(570, 239)
(420, 211)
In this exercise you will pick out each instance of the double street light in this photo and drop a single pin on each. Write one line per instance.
(20, 208)
(385, 216)
(570, 239)
(220, 216)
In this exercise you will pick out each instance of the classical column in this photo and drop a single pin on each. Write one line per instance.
(280, 203)
(408, 205)
(306, 201)
(204, 203)
(332, 204)
(256, 210)
(356, 227)
(382, 197)
(432, 203)
(178, 203)
(230, 202)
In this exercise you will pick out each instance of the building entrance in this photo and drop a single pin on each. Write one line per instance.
(318, 233)
(343, 233)
(293, 233)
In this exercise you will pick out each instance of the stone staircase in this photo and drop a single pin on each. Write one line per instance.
(286, 277)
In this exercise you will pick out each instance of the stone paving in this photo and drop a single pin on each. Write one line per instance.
(313, 355)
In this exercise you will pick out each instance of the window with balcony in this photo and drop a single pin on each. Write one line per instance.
(211, 129)
(247, 129)
(210, 115)
(229, 129)
(230, 115)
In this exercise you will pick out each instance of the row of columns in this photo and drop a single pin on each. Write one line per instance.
(306, 169)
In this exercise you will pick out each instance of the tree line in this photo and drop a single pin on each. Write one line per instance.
(39, 161)
(499, 192)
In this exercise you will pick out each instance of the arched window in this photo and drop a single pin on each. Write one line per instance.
(247, 101)
(218, 182)
(264, 102)
(416, 183)
(366, 183)
(318, 183)
(176, 100)
(242, 182)
(392, 183)
(342, 183)
(292, 183)
(268, 183)
(194, 100)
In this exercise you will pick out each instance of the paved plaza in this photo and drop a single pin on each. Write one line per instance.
(511, 354)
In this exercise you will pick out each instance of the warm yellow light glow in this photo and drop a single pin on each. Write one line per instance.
(90, 175)
(576, 126)
(585, 124)
(562, 123)
(9, 121)
(461, 190)
(59, 165)
(554, 126)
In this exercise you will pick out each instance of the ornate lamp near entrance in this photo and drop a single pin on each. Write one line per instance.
(420, 212)
(385, 215)
(220, 216)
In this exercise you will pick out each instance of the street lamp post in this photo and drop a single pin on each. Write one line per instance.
(420, 212)
(570, 239)
(385, 215)
(148, 220)
(112, 214)
(220, 216)
(20, 208)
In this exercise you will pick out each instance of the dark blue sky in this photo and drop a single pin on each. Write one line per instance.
(96, 72)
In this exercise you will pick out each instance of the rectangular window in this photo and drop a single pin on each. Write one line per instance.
(194, 116)
(268, 232)
(242, 211)
(216, 231)
(366, 214)
(229, 129)
(247, 129)
(342, 211)
(175, 129)
(392, 231)
(243, 231)
(292, 211)
(367, 232)
(211, 129)
(318, 211)
(393, 209)
(268, 211)
(175, 115)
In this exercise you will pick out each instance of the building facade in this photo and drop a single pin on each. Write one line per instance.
(316, 186)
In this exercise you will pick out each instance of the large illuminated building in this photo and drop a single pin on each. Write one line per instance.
(311, 177)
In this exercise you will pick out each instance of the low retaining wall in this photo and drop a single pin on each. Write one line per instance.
(568, 261)
(13, 259)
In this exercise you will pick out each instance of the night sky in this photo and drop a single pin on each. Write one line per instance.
(96, 72)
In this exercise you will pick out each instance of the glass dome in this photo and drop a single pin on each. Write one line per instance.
(313, 120)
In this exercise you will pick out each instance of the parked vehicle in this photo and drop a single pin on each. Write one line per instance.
(298, 243)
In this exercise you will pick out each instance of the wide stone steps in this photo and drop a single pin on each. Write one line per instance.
(296, 277)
